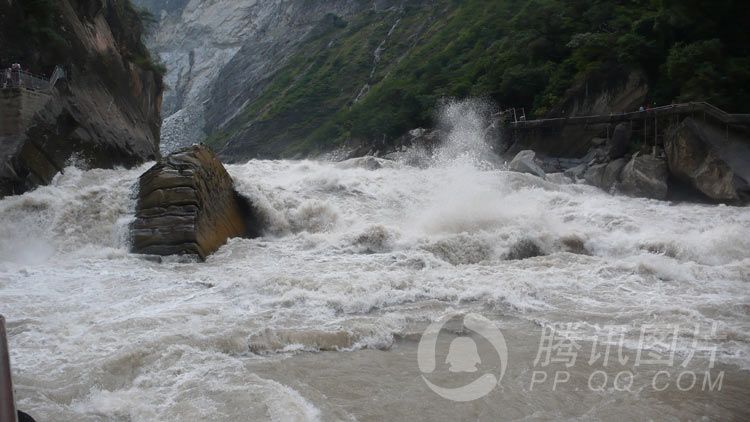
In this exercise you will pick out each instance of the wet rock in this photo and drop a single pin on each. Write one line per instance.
(461, 250)
(594, 174)
(605, 176)
(576, 172)
(645, 176)
(618, 144)
(709, 160)
(524, 163)
(612, 172)
(376, 239)
(575, 244)
(559, 178)
(187, 205)
(524, 249)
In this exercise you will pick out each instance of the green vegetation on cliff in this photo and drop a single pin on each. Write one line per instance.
(380, 74)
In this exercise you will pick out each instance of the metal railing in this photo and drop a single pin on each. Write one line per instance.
(685, 108)
(16, 78)
(7, 403)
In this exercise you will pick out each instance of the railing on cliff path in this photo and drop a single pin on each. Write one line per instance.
(694, 108)
(16, 78)
(651, 122)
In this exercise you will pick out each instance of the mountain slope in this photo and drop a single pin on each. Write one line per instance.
(368, 73)
(222, 53)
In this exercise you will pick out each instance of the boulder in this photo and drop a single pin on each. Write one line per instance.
(612, 173)
(645, 176)
(618, 144)
(709, 160)
(187, 205)
(559, 178)
(594, 174)
(524, 163)
(576, 172)
(523, 249)
(605, 176)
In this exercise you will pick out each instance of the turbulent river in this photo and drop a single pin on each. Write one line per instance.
(319, 319)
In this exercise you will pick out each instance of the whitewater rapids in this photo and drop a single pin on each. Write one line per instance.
(355, 261)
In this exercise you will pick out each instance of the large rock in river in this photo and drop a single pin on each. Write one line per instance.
(524, 163)
(645, 176)
(713, 161)
(606, 176)
(187, 205)
(618, 145)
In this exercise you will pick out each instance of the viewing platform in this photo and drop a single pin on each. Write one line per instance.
(23, 94)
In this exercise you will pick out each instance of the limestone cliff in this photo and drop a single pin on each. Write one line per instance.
(105, 113)
(222, 54)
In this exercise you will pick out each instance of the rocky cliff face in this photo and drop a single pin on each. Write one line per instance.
(105, 113)
(609, 90)
(710, 159)
(221, 54)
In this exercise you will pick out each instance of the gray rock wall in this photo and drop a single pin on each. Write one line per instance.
(220, 54)
(713, 161)
(106, 113)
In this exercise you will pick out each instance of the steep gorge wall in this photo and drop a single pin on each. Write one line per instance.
(221, 54)
(106, 113)
(294, 78)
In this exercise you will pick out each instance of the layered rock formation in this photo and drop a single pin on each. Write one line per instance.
(106, 112)
(187, 205)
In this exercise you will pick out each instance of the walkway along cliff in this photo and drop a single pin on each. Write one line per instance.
(704, 149)
(106, 112)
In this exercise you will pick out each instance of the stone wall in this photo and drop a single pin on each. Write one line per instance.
(17, 108)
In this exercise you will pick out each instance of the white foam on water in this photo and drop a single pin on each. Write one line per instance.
(351, 256)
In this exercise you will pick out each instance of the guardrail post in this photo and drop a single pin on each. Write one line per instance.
(7, 403)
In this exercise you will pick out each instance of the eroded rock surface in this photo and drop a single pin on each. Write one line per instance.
(645, 176)
(187, 205)
(104, 114)
(716, 164)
